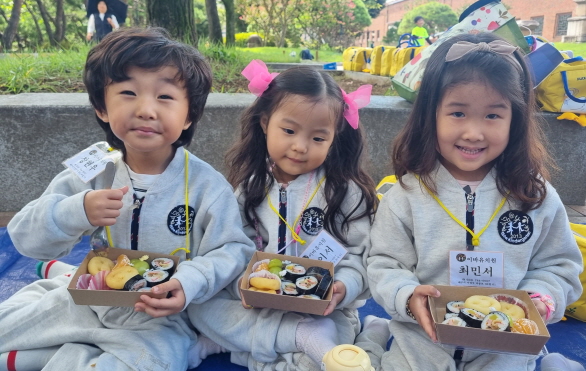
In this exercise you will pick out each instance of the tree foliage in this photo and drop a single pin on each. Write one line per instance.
(270, 17)
(438, 18)
(374, 7)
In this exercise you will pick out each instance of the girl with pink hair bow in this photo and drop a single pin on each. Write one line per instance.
(297, 171)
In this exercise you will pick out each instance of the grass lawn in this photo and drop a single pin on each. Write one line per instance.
(282, 55)
(579, 49)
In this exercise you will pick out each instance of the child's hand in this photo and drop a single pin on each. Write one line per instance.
(163, 307)
(419, 307)
(102, 207)
(541, 308)
(337, 297)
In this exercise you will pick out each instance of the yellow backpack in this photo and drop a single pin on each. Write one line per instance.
(356, 59)
(387, 61)
(403, 56)
(376, 59)
(577, 309)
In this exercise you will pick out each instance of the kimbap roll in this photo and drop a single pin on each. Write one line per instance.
(164, 264)
(451, 315)
(313, 297)
(323, 285)
(154, 277)
(135, 283)
(294, 271)
(454, 306)
(454, 321)
(306, 285)
(472, 317)
(496, 321)
(289, 288)
(317, 272)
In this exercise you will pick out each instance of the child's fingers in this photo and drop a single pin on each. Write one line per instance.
(171, 285)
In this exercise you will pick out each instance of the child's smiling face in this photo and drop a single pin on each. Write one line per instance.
(148, 112)
(473, 124)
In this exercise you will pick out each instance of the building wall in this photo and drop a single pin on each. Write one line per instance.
(550, 13)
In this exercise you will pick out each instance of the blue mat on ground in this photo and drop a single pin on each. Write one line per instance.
(16, 271)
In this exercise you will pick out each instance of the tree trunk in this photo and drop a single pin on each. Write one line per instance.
(34, 17)
(177, 16)
(12, 28)
(47, 22)
(214, 26)
(230, 22)
(59, 21)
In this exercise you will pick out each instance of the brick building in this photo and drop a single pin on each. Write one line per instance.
(552, 16)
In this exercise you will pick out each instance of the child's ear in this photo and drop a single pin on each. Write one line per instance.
(186, 125)
(264, 123)
(103, 116)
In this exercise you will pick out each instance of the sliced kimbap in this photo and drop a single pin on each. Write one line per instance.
(454, 321)
(164, 264)
(496, 321)
(294, 271)
(289, 288)
(306, 285)
(313, 297)
(135, 283)
(472, 317)
(451, 315)
(454, 306)
(323, 285)
(317, 272)
(155, 277)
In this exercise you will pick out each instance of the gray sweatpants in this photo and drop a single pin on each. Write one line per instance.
(43, 314)
(225, 321)
(412, 349)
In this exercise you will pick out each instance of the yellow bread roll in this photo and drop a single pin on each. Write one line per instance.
(118, 276)
(514, 311)
(252, 288)
(481, 303)
(265, 283)
(98, 263)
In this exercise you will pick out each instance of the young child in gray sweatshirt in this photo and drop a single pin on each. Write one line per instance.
(148, 93)
(473, 176)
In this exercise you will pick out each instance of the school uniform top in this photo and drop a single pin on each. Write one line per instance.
(351, 270)
(412, 236)
(48, 227)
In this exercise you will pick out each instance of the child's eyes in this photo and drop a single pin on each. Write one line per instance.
(492, 116)
(317, 139)
(288, 131)
(127, 92)
(458, 114)
(165, 96)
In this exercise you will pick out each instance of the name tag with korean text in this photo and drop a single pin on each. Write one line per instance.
(325, 247)
(91, 162)
(476, 268)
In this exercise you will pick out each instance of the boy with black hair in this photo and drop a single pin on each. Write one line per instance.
(419, 33)
(148, 93)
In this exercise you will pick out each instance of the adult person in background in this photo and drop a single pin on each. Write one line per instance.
(419, 33)
(101, 23)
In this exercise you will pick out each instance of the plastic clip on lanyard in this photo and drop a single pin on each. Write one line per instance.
(475, 236)
(186, 248)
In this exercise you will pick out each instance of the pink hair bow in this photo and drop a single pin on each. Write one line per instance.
(358, 99)
(257, 73)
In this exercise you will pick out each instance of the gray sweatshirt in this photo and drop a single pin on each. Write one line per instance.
(48, 227)
(352, 269)
(412, 236)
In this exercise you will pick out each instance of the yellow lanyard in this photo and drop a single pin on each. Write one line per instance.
(293, 233)
(475, 236)
(186, 248)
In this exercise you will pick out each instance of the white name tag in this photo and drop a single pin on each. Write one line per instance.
(90, 162)
(476, 268)
(325, 247)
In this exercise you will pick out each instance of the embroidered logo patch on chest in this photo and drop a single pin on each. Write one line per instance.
(176, 220)
(515, 227)
(312, 221)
